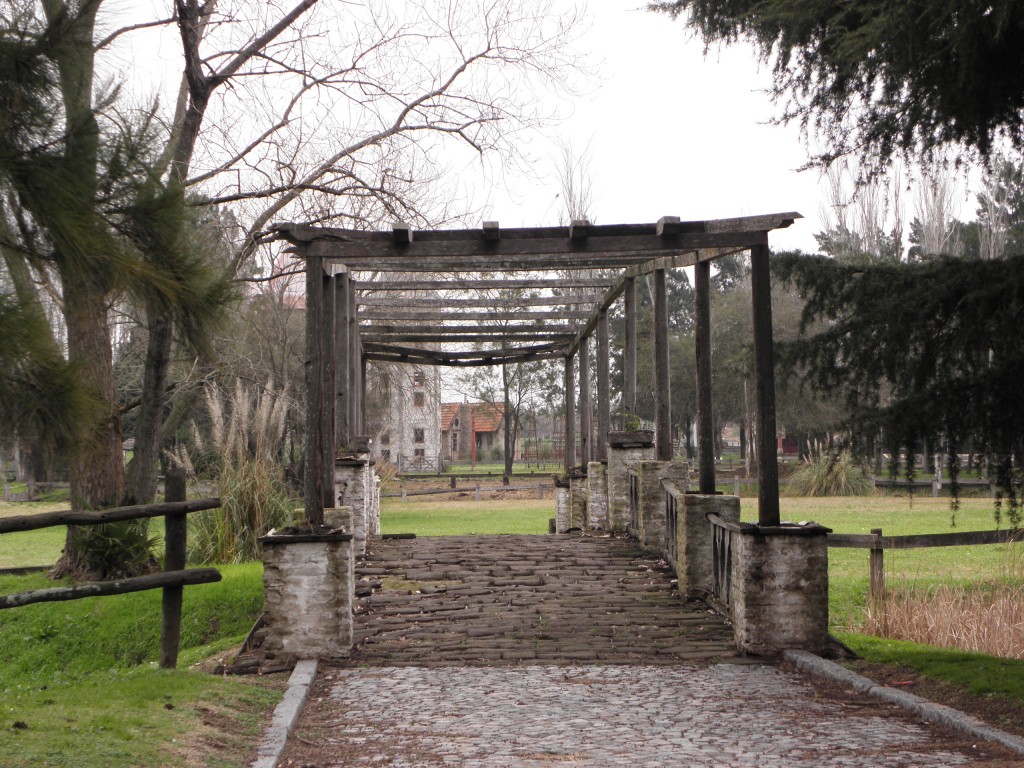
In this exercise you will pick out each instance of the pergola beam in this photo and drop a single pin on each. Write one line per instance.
(453, 284)
(401, 302)
(440, 315)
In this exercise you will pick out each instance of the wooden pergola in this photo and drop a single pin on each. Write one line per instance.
(396, 318)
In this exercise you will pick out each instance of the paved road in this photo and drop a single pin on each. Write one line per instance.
(568, 651)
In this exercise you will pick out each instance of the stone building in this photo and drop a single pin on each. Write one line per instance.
(410, 437)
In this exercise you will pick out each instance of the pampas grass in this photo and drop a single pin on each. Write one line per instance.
(832, 475)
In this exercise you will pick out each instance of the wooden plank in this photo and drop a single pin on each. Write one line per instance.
(491, 231)
(764, 387)
(119, 587)
(705, 429)
(77, 517)
(662, 372)
(629, 348)
(175, 533)
(480, 329)
(569, 457)
(497, 354)
(452, 284)
(354, 361)
(401, 233)
(327, 392)
(586, 405)
(403, 302)
(314, 379)
(927, 540)
(876, 572)
(442, 314)
(424, 255)
(425, 359)
(422, 338)
(342, 350)
(603, 389)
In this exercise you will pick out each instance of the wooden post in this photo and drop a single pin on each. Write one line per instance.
(569, 454)
(603, 388)
(362, 388)
(342, 372)
(662, 383)
(629, 351)
(312, 452)
(174, 560)
(586, 404)
(354, 362)
(705, 427)
(877, 581)
(327, 411)
(764, 387)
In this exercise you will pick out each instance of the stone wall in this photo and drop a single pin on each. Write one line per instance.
(308, 586)
(357, 486)
(779, 593)
(625, 450)
(597, 495)
(578, 502)
(651, 528)
(693, 540)
(563, 516)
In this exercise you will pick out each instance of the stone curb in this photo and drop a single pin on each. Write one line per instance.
(926, 710)
(286, 713)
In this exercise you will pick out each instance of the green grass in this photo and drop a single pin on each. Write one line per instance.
(82, 676)
(447, 518)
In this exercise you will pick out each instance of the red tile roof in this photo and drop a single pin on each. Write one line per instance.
(448, 412)
(487, 417)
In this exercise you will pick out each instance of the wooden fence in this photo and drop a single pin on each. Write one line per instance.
(172, 580)
(877, 544)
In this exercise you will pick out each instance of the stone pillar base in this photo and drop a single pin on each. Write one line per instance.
(779, 592)
(651, 523)
(693, 540)
(597, 495)
(308, 588)
(578, 502)
(352, 489)
(625, 451)
(562, 516)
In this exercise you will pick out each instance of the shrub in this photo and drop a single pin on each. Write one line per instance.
(832, 475)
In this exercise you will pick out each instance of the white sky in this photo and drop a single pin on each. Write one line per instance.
(674, 133)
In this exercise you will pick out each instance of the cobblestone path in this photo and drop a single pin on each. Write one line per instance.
(527, 599)
(488, 652)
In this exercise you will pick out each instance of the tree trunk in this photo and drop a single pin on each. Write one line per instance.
(509, 441)
(140, 485)
(97, 468)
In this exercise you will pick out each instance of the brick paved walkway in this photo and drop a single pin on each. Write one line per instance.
(556, 651)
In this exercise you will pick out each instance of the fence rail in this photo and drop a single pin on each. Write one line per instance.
(171, 580)
(673, 500)
(722, 539)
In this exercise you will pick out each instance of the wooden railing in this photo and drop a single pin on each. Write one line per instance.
(172, 579)
(877, 544)
(634, 499)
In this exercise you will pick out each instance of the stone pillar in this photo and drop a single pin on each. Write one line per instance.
(374, 528)
(625, 451)
(651, 529)
(350, 487)
(693, 540)
(308, 587)
(578, 502)
(779, 593)
(597, 495)
(562, 514)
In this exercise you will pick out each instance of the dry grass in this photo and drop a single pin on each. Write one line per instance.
(985, 618)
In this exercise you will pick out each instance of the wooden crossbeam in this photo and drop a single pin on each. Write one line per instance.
(462, 355)
(438, 338)
(383, 329)
(488, 284)
(442, 314)
(523, 301)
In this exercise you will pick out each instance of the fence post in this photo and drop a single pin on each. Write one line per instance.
(736, 485)
(174, 560)
(877, 588)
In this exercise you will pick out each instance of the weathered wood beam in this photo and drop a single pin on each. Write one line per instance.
(662, 372)
(354, 362)
(402, 302)
(441, 314)
(342, 350)
(487, 284)
(491, 231)
(629, 348)
(440, 338)
(120, 587)
(603, 389)
(764, 387)
(586, 405)
(314, 379)
(705, 433)
(401, 233)
(40, 520)
(374, 347)
(379, 329)
(327, 392)
(569, 454)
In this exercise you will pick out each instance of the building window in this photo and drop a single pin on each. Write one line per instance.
(419, 399)
(385, 454)
(419, 379)
(385, 439)
(455, 423)
(455, 442)
(421, 452)
(417, 435)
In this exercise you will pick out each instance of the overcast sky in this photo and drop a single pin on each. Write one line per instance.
(673, 132)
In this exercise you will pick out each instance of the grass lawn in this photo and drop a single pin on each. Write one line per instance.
(448, 518)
